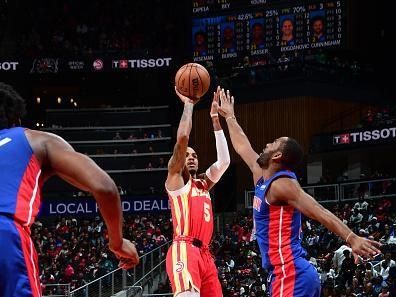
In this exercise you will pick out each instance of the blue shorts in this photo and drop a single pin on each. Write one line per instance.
(295, 279)
(19, 274)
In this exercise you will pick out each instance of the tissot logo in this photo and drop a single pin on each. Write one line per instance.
(8, 66)
(141, 63)
(365, 136)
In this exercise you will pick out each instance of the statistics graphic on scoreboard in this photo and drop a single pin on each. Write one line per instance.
(221, 31)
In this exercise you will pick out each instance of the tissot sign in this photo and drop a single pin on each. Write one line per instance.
(354, 138)
(369, 136)
(141, 63)
(8, 65)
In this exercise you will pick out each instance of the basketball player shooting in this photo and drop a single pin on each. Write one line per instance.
(189, 264)
(277, 206)
(27, 159)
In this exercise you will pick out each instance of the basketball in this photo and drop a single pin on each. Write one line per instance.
(192, 80)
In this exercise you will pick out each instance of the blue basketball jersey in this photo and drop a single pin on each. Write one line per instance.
(278, 228)
(278, 234)
(20, 181)
(20, 186)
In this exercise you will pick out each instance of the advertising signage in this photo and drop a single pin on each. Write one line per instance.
(354, 138)
(56, 65)
(88, 206)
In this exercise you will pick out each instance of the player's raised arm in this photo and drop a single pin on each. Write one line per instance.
(287, 190)
(178, 159)
(239, 140)
(217, 169)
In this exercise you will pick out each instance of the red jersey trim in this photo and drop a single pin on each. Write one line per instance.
(28, 197)
(184, 190)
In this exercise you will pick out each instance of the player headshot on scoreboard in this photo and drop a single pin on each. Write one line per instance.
(287, 30)
(227, 37)
(257, 34)
(199, 42)
(317, 21)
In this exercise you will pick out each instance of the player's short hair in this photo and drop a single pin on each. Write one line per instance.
(317, 18)
(292, 154)
(200, 32)
(288, 19)
(12, 106)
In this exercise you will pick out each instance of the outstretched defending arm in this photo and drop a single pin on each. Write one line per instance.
(176, 163)
(239, 140)
(287, 190)
(217, 169)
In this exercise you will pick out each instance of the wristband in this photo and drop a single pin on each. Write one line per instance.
(350, 233)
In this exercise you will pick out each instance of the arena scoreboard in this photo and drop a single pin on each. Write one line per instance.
(229, 29)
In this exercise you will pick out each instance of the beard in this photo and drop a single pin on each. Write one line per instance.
(263, 160)
(192, 171)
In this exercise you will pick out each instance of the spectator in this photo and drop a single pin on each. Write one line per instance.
(356, 217)
(385, 265)
(361, 204)
(373, 227)
(384, 291)
(159, 133)
(69, 272)
(117, 136)
(347, 268)
(161, 163)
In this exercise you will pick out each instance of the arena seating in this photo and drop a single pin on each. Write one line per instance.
(82, 28)
(75, 250)
(126, 142)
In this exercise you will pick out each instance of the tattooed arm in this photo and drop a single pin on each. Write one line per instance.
(176, 163)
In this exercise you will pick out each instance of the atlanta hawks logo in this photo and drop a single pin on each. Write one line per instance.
(179, 266)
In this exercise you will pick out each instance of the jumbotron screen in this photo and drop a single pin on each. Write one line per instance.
(228, 30)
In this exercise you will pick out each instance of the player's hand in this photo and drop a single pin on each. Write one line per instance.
(185, 99)
(364, 247)
(215, 102)
(226, 108)
(126, 253)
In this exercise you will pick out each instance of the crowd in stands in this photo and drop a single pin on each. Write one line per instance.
(371, 184)
(144, 162)
(379, 116)
(329, 178)
(75, 250)
(239, 261)
(91, 27)
(316, 65)
(140, 134)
